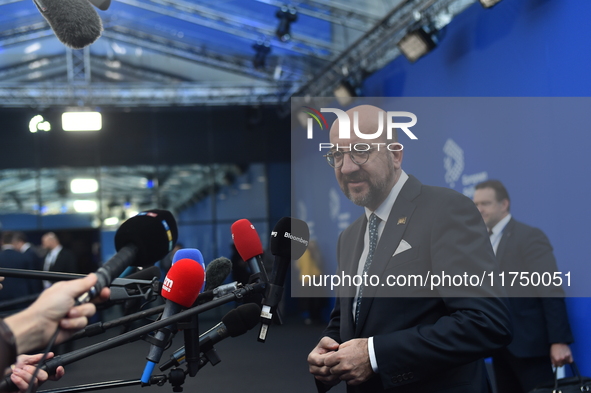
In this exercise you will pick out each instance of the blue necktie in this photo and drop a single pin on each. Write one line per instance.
(374, 221)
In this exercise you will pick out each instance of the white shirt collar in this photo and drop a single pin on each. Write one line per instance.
(497, 232)
(56, 251)
(498, 229)
(383, 211)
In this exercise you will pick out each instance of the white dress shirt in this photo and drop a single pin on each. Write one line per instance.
(383, 211)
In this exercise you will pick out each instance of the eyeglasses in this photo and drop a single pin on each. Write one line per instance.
(359, 157)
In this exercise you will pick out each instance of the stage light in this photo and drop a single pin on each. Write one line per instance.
(286, 15)
(418, 43)
(81, 121)
(262, 49)
(37, 123)
(345, 92)
(83, 186)
(488, 3)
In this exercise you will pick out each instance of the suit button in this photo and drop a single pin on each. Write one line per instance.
(400, 378)
(411, 375)
(405, 376)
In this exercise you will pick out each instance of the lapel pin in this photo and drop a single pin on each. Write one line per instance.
(401, 221)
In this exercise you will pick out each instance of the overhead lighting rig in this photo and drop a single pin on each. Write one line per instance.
(262, 49)
(418, 42)
(286, 15)
(489, 3)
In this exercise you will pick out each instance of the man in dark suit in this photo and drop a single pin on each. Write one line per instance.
(58, 259)
(14, 288)
(541, 329)
(407, 338)
(21, 244)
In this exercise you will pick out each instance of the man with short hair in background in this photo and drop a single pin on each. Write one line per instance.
(541, 332)
(58, 259)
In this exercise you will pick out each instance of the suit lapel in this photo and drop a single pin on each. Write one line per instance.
(507, 233)
(398, 221)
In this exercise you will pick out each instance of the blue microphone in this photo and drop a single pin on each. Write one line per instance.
(191, 253)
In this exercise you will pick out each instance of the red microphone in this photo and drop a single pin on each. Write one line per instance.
(248, 244)
(180, 289)
(183, 282)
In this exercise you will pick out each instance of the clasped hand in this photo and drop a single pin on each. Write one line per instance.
(331, 363)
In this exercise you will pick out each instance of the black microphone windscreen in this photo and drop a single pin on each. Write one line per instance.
(74, 22)
(146, 274)
(242, 319)
(102, 5)
(216, 272)
(154, 232)
(289, 238)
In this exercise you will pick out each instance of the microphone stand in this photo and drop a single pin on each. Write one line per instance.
(50, 366)
(176, 377)
(101, 327)
(39, 274)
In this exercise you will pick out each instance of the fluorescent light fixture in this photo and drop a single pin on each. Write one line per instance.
(33, 48)
(83, 186)
(85, 206)
(82, 121)
(111, 221)
(488, 3)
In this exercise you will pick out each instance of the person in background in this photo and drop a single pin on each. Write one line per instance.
(20, 243)
(541, 332)
(15, 288)
(58, 259)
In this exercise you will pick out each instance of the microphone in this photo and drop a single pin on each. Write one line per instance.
(217, 271)
(75, 23)
(235, 323)
(180, 289)
(141, 240)
(102, 5)
(289, 240)
(141, 284)
(194, 254)
(148, 274)
(248, 244)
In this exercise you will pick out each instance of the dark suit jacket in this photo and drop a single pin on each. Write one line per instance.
(36, 263)
(65, 262)
(425, 341)
(538, 320)
(14, 288)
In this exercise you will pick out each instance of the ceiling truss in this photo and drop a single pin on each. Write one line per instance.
(315, 69)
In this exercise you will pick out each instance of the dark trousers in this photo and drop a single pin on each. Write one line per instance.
(520, 375)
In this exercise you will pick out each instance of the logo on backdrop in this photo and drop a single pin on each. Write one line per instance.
(454, 165)
(317, 117)
(453, 162)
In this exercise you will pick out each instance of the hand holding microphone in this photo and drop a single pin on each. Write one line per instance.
(55, 306)
(22, 372)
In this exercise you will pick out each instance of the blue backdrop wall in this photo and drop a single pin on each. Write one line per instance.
(519, 48)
